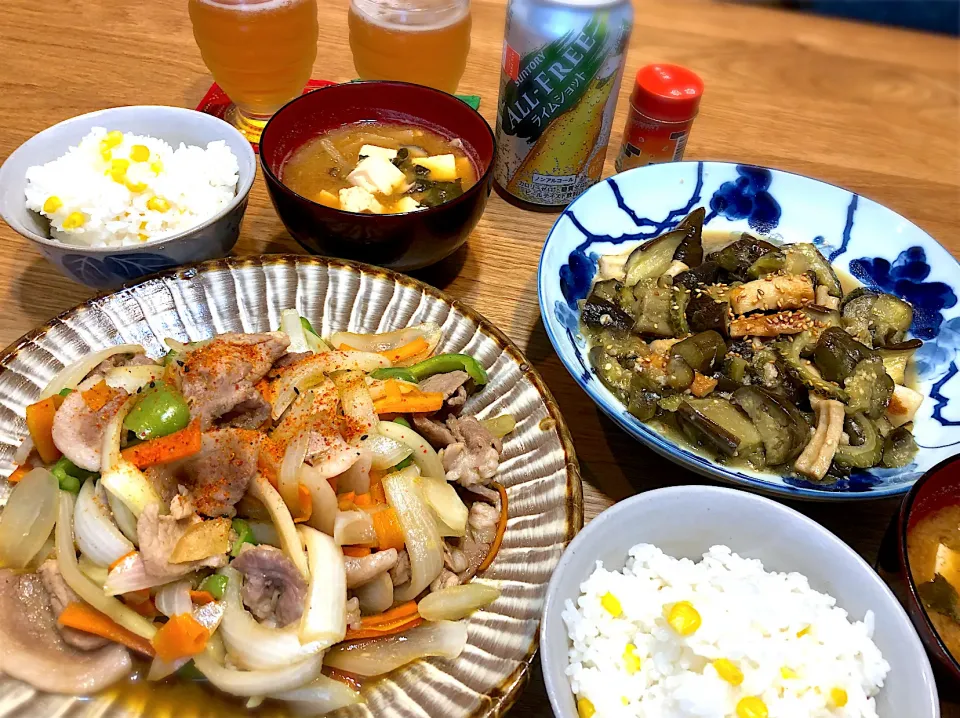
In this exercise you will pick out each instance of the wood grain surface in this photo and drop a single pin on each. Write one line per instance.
(870, 108)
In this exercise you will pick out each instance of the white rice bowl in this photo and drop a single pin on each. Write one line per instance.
(190, 184)
(794, 647)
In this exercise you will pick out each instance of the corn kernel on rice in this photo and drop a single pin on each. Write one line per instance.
(783, 649)
(117, 189)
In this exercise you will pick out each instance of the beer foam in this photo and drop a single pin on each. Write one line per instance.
(248, 6)
(397, 15)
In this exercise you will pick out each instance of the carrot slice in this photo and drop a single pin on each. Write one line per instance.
(355, 551)
(84, 618)
(501, 529)
(180, 637)
(97, 396)
(396, 620)
(306, 504)
(40, 424)
(363, 500)
(387, 525)
(377, 493)
(18, 474)
(147, 608)
(121, 560)
(425, 402)
(345, 501)
(202, 598)
(407, 351)
(164, 449)
(391, 388)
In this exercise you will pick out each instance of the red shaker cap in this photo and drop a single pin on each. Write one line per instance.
(667, 92)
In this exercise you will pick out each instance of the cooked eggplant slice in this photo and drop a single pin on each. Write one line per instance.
(719, 424)
(877, 319)
(782, 428)
(736, 258)
(704, 313)
(679, 373)
(611, 372)
(651, 259)
(837, 354)
(608, 289)
(600, 313)
(703, 351)
(899, 448)
(690, 251)
(895, 359)
(868, 451)
(868, 389)
(694, 277)
(660, 311)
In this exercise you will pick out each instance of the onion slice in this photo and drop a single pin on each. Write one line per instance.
(456, 602)
(430, 332)
(97, 536)
(325, 616)
(377, 656)
(174, 599)
(357, 477)
(257, 683)
(423, 455)
(420, 533)
(261, 490)
(120, 477)
(386, 452)
(83, 586)
(288, 478)
(124, 518)
(291, 325)
(73, 373)
(323, 499)
(28, 518)
(353, 528)
(450, 511)
(324, 695)
(133, 378)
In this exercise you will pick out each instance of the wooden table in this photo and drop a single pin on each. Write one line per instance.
(866, 107)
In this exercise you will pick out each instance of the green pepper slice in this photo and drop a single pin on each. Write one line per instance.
(394, 372)
(244, 535)
(215, 585)
(446, 363)
(307, 326)
(403, 422)
(69, 475)
(161, 410)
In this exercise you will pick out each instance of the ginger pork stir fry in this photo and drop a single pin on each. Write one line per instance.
(282, 516)
(755, 353)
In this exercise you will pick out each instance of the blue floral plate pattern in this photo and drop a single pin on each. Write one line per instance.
(874, 244)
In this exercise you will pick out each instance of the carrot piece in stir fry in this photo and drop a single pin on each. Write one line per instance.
(18, 474)
(419, 402)
(387, 525)
(164, 449)
(396, 620)
(180, 637)
(84, 618)
(40, 424)
(408, 351)
(306, 504)
(501, 529)
(97, 396)
(202, 598)
(356, 551)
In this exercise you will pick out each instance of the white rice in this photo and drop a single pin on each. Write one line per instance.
(749, 616)
(112, 210)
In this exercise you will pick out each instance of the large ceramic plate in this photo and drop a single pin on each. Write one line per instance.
(879, 247)
(539, 469)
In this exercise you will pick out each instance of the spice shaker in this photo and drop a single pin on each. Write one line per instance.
(663, 106)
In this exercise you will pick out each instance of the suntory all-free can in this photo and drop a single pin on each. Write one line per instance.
(559, 79)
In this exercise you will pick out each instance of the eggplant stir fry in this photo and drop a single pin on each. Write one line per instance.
(278, 515)
(754, 353)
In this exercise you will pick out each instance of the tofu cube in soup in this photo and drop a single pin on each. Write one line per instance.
(357, 199)
(407, 204)
(374, 151)
(443, 168)
(377, 174)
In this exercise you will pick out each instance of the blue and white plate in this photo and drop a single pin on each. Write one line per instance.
(876, 245)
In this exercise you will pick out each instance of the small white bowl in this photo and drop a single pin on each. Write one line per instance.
(109, 267)
(685, 521)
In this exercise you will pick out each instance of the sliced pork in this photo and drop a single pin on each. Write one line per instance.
(474, 457)
(218, 476)
(34, 651)
(61, 595)
(436, 432)
(221, 375)
(452, 385)
(462, 556)
(273, 588)
(158, 536)
(78, 428)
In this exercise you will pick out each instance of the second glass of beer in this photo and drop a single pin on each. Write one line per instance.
(260, 52)
(421, 41)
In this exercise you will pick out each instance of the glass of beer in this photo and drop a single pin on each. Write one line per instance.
(420, 41)
(260, 52)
